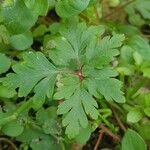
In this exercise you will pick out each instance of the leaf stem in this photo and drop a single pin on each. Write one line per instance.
(62, 145)
(107, 122)
(23, 107)
(15, 115)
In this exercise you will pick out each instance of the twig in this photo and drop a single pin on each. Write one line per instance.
(100, 137)
(102, 131)
(106, 130)
(118, 120)
(9, 142)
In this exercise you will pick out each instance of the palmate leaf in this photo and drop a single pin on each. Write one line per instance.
(34, 73)
(79, 45)
(74, 52)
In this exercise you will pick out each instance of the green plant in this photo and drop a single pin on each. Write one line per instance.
(64, 78)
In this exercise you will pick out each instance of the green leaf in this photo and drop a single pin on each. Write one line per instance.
(138, 58)
(68, 8)
(145, 68)
(143, 8)
(146, 72)
(12, 129)
(70, 84)
(104, 83)
(4, 63)
(140, 45)
(82, 73)
(40, 30)
(39, 7)
(47, 118)
(45, 114)
(126, 55)
(147, 111)
(110, 88)
(6, 93)
(106, 50)
(79, 45)
(52, 4)
(134, 116)
(133, 141)
(76, 107)
(127, 29)
(51, 127)
(125, 71)
(21, 41)
(114, 3)
(147, 99)
(45, 144)
(18, 18)
(34, 73)
(69, 47)
(30, 134)
(84, 135)
(144, 130)
(37, 139)
(136, 19)
(7, 3)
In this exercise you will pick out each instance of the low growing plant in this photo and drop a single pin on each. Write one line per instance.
(71, 76)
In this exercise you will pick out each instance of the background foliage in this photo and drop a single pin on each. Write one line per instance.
(74, 74)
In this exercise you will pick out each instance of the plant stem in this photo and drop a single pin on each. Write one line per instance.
(100, 137)
(118, 120)
(106, 130)
(107, 123)
(23, 107)
(15, 115)
(9, 142)
(62, 145)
